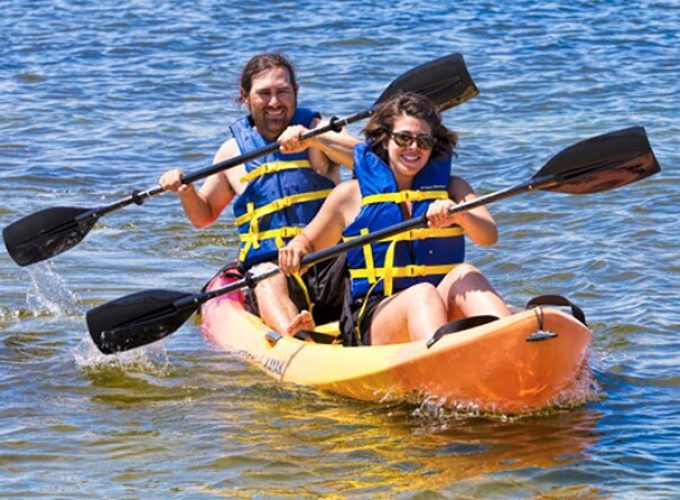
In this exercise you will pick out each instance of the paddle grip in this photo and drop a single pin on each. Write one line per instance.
(138, 197)
(335, 125)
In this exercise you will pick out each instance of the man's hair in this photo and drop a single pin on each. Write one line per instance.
(381, 124)
(264, 62)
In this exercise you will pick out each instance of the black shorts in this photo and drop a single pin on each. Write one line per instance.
(356, 331)
(325, 284)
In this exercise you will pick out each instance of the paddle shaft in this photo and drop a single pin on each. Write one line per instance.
(49, 232)
(314, 258)
(138, 197)
(597, 164)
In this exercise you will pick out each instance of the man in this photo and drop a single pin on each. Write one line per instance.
(275, 195)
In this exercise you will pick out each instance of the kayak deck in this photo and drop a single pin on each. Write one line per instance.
(492, 368)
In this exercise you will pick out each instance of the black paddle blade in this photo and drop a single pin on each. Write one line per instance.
(603, 162)
(47, 233)
(445, 81)
(139, 319)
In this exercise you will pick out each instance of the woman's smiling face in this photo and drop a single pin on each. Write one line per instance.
(410, 158)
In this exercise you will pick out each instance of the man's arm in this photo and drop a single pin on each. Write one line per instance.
(203, 206)
(337, 146)
(326, 151)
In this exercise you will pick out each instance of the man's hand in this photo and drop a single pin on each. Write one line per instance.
(289, 140)
(172, 181)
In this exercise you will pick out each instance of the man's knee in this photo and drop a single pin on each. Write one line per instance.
(274, 284)
(262, 267)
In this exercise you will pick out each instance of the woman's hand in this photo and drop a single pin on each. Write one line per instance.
(439, 215)
(291, 255)
(172, 181)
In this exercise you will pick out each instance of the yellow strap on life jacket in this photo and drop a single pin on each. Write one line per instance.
(254, 236)
(252, 239)
(406, 195)
(305, 291)
(409, 271)
(362, 311)
(273, 167)
(416, 234)
(389, 272)
(368, 258)
(253, 213)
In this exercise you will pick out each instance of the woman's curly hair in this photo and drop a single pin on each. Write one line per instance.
(381, 124)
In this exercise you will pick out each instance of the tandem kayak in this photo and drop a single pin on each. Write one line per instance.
(519, 364)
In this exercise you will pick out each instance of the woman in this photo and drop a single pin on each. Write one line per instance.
(405, 288)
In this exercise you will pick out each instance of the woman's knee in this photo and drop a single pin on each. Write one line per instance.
(464, 270)
(464, 274)
(422, 291)
(461, 281)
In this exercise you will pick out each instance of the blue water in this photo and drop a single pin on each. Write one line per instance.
(96, 101)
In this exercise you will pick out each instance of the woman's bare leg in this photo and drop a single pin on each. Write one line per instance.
(413, 314)
(468, 293)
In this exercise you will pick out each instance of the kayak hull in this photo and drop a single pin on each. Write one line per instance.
(493, 368)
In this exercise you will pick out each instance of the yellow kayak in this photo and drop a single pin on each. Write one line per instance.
(519, 364)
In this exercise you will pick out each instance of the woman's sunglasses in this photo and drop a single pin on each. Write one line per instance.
(404, 139)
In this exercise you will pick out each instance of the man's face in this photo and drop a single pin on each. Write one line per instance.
(271, 101)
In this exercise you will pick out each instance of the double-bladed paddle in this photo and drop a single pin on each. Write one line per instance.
(597, 164)
(51, 231)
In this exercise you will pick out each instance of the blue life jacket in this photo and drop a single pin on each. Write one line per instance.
(283, 194)
(422, 254)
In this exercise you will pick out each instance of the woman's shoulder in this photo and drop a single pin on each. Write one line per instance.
(347, 187)
(346, 196)
(457, 180)
(347, 191)
(459, 188)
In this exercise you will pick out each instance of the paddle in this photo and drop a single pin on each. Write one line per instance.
(597, 164)
(51, 231)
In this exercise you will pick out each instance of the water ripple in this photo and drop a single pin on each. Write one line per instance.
(97, 100)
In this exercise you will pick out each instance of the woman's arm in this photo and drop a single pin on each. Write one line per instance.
(325, 229)
(477, 223)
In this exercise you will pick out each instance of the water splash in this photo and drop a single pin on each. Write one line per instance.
(437, 411)
(584, 389)
(150, 358)
(49, 294)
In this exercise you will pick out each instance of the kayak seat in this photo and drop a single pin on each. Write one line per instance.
(231, 270)
(558, 300)
(458, 325)
(304, 335)
(551, 300)
(314, 336)
(328, 333)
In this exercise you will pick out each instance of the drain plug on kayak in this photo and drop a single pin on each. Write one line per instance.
(273, 338)
(539, 335)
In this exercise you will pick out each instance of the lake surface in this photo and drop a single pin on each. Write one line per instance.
(99, 100)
